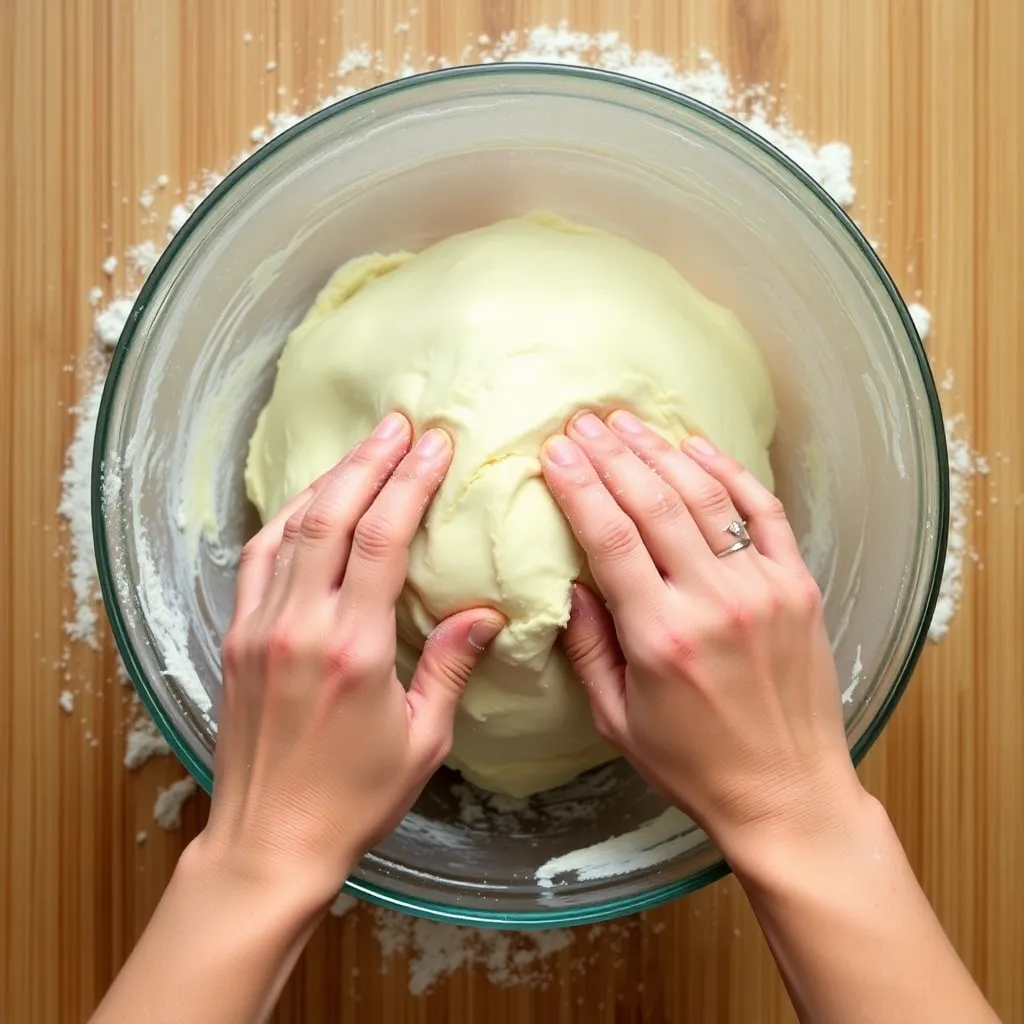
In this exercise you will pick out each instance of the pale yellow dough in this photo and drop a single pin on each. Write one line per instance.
(500, 335)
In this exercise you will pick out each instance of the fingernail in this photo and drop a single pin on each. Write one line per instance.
(626, 422)
(700, 445)
(432, 443)
(588, 425)
(482, 632)
(561, 451)
(391, 426)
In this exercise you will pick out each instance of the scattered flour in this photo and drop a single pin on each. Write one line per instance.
(964, 465)
(176, 221)
(432, 949)
(76, 509)
(66, 700)
(143, 742)
(109, 321)
(142, 257)
(342, 904)
(922, 318)
(169, 801)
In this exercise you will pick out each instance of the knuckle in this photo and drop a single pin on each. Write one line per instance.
(253, 550)
(770, 507)
(672, 648)
(281, 644)
(292, 528)
(451, 672)
(664, 508)
(613, 458)
(714, 499)
(232, 652)
(739, 615)
(616, 538)
(582, 647)
(806, 596)
(319, 523)
(374, 537)
(351, 658)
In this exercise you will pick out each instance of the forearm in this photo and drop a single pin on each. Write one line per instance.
(218, 948)
(853, 934)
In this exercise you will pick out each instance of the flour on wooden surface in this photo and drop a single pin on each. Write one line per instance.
(342, 904)
(143, 741)
(75, 509)
(964, 465)
(169, 802)
(109, 322)
(922, 318)
(434, 950)
(142, 257)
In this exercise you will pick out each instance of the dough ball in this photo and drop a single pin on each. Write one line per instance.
(500, 335)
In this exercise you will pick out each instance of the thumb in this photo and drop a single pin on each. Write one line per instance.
(449, 656)
(593, 650)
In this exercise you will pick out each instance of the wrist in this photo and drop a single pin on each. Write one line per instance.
(831, 821)
(236, 876)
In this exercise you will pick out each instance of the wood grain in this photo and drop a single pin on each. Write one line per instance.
(99, 97)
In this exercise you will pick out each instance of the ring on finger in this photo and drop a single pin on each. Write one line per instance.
(738, 529)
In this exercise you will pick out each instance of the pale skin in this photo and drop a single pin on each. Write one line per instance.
(713, 676)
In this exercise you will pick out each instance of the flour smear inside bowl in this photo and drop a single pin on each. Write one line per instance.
(830, 164)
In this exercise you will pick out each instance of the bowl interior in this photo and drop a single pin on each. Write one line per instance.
(859, 455)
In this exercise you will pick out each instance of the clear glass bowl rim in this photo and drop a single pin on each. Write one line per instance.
(378, 894)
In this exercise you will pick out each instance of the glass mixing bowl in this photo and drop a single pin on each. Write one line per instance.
(859, 454)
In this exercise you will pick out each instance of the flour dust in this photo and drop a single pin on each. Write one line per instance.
(434, 950)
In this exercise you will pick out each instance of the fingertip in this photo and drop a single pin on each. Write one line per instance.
(559, 453)
(433, 444)
(699, 447)
(625, 423)
(484, 630)
(392, 427)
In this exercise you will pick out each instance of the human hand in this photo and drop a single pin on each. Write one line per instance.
(320, 750)
(714, 676)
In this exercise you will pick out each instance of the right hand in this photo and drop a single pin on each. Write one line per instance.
(714, 676)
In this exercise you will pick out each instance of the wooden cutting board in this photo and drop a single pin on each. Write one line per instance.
(99, 97)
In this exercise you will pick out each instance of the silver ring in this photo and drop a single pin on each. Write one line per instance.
(738, 529)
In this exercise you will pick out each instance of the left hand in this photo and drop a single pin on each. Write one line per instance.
(321, 751)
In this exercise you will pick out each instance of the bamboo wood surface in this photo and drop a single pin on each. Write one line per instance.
(99, 97)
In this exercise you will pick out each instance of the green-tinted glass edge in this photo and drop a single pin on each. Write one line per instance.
(379, 895)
